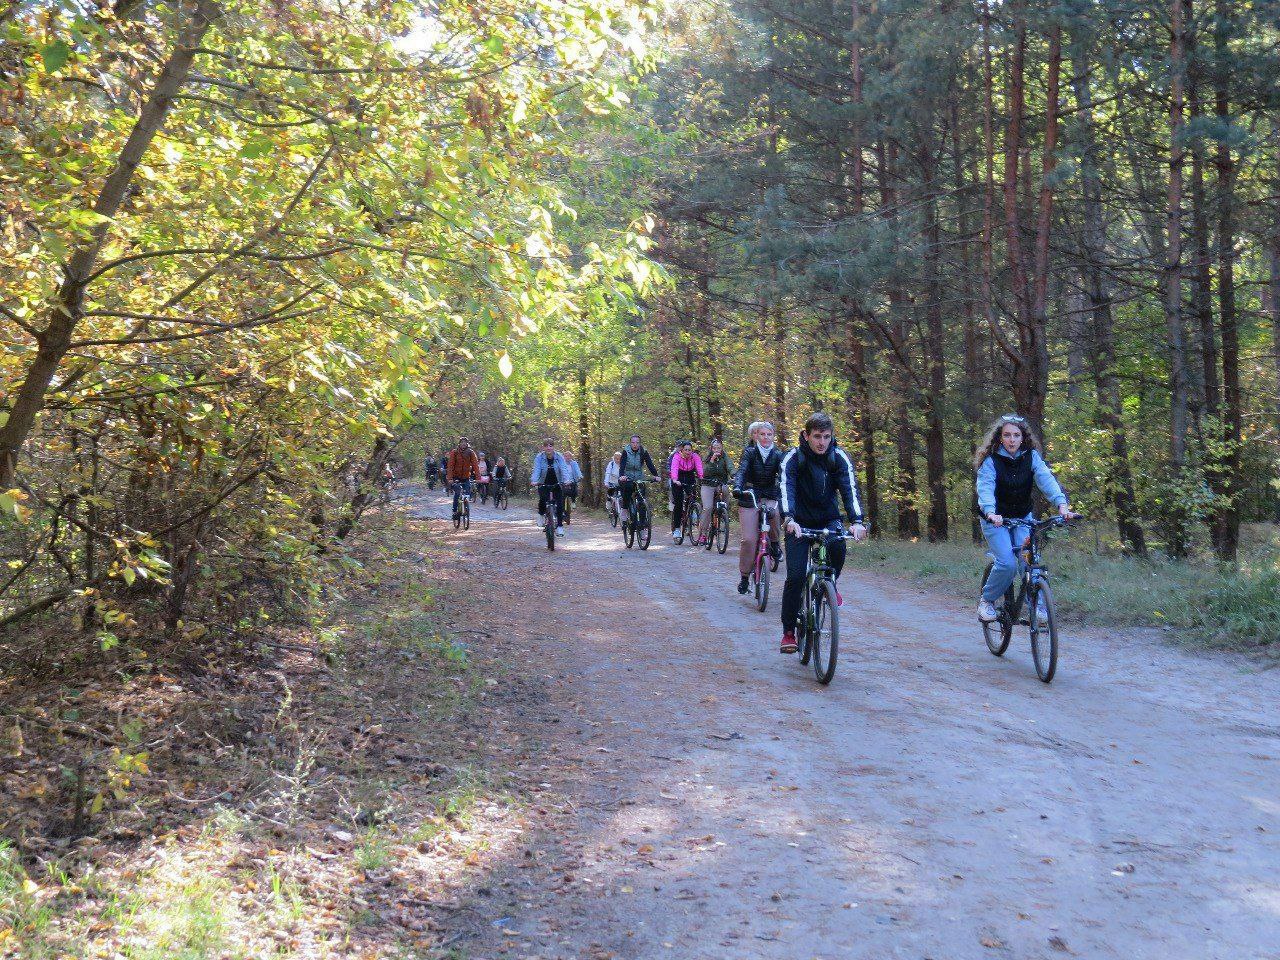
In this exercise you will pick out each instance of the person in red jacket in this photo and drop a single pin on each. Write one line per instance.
(461, 469)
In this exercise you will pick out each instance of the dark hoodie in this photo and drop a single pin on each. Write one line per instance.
(810, 483)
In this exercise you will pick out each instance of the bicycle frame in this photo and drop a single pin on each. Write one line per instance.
(762, 529)
(1034, 569)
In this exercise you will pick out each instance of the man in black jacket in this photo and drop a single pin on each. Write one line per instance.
(812, 476)
(759, 469)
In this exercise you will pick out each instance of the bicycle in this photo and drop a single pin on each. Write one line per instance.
(462, 516)
(1033, 589)
(818, 633)
(718, 528)
(765, 562)
(500, 495)
(692, 517)
(553, 501)
(613, 506)
(639, 528)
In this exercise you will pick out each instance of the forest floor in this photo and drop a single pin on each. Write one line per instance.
(595, 753)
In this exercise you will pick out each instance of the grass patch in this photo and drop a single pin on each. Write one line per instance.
(1237, 607)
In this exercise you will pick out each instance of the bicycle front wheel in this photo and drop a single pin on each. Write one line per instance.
(466, 516)
(762, 585)
(722, 531)
(629, 532)
(1044, 632)
(645, 534)
(997, 633)
(825, 632)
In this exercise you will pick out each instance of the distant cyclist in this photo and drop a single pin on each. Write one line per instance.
(716, 471)
(686, 471)
(549, 473)
(760, 469)
(612, 477)
(631, 470)
(812, 475)
(571, 484)
(501, 477)
(1009, 465)
(462, 467)
(482, 478)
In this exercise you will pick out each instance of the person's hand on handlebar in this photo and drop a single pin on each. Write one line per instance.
(858, 531)
(1065, 511)
(995, 519)
(793, 528)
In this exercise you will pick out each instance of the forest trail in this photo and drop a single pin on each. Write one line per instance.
(934, 801)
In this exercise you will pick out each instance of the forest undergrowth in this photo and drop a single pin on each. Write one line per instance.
(315, 791)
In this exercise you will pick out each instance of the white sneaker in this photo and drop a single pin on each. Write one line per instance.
(987, 611)
(559, 531)
(675, 536)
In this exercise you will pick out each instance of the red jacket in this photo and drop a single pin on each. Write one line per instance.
(462, 465)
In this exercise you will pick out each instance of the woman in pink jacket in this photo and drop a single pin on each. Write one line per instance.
(686, 471)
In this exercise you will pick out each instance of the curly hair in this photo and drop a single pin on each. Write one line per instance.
(991, 439)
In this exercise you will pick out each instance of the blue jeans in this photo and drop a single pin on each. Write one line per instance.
(1005, 544)
(458, 487)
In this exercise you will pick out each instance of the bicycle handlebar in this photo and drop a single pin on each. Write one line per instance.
(825, 534)
(1058, 521)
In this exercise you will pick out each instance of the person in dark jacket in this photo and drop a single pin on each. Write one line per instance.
(758, 469)
(716, 471)
(814, 475)
(631, 470)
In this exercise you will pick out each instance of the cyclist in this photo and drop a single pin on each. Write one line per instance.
(716, 471)
(461, 467)
(1009, 464)
(812, 475)
(550, 470)
(575, 476)
(612, 472)
(635, 460)
(431, 471)
(482, 478)
(501, 476)
(686, 471)
(760, 469)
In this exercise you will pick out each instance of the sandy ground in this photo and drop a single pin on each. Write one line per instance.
(933, 802)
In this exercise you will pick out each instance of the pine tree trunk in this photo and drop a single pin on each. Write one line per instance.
(1173, 253)
(935, 346)
(1100, 326)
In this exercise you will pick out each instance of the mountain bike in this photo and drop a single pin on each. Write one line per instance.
(1033, 591)
(718, 528)
(818, 635)
(639, 528)
(553, 500)
(570, 496)
(613, 506)
(692, 514)
(765, 562)
(500, 495)
(462, 516)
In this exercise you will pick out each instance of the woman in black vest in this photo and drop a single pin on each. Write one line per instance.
(1010, 466)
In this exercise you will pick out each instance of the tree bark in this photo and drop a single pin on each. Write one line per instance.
(1173, 249)
(935, 346)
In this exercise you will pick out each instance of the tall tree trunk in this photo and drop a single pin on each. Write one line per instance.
(1097, 289)
(1173, 249)
(584, 439)
(857, 358)
(935, 445)
(1036, 349)
(54, 340)
(1201, 276)
(1226, 528)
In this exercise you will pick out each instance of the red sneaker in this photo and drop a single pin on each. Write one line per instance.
(788, 642)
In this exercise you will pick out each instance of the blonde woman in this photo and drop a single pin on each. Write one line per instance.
(759, 469)
(1010, 465)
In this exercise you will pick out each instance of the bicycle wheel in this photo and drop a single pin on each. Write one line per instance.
(549, 528)
(997, 633)
(692, 521)
(629, 533)
(762, 585)
(645, 534)
(457, 518)
(722, 530)
(466, 515)
(613, 515)
(1044, 636)
(825, 632)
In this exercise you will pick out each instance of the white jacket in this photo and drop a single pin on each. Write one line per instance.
(611, 474)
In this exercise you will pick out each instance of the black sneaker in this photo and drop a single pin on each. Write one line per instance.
(742, 585)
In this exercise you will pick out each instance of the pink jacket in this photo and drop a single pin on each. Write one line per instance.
(686, 465)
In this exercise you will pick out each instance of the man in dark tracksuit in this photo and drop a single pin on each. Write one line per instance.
(812, 475)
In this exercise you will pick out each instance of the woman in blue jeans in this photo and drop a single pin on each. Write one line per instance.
(1010, 466)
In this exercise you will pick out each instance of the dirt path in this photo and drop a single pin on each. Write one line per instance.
(934, 801)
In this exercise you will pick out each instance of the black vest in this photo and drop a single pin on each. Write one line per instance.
(1014, 482)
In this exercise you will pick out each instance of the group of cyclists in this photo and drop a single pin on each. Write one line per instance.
(811, 487)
